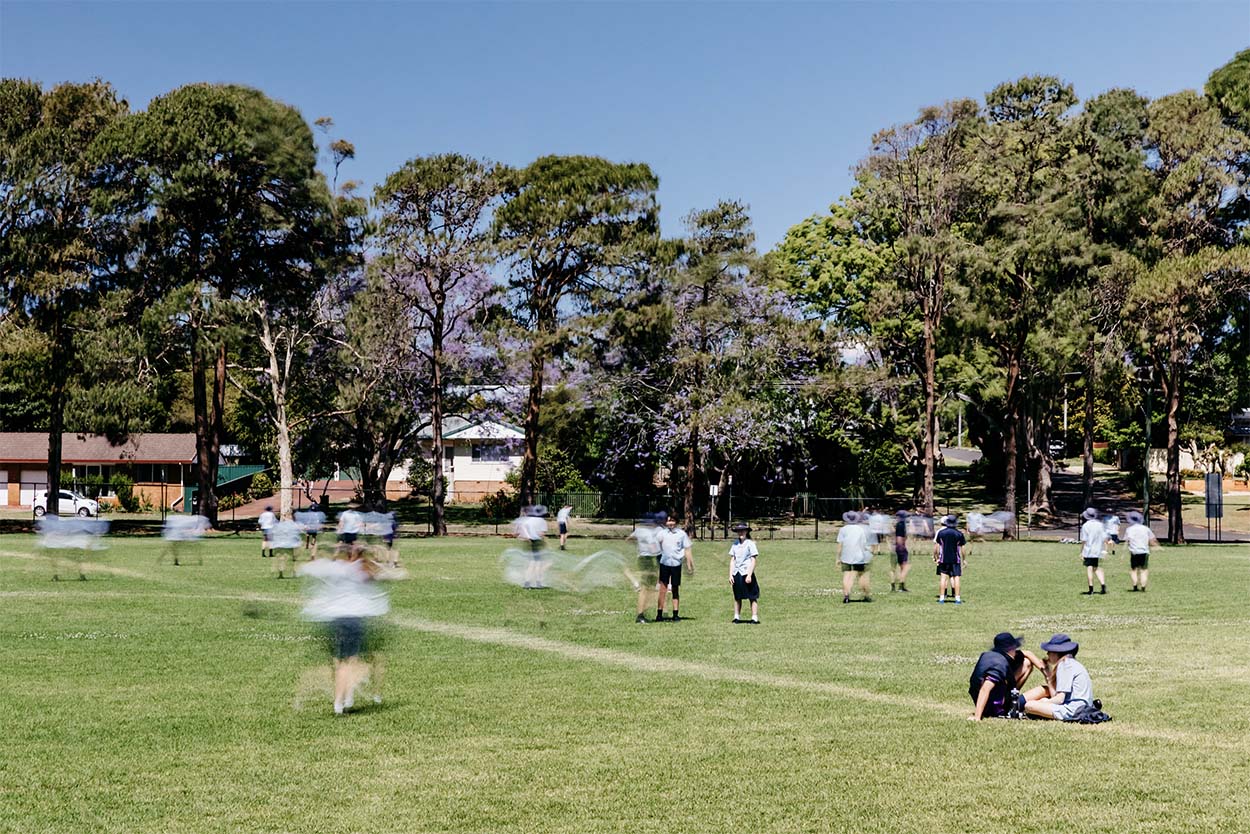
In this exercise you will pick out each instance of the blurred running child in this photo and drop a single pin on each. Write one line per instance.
(1093, 540)
(1139, 536)
(562, 519)
(647, 580)
(675, 549)
(854, 555)
(949, 556)
(284, 538)
(266, 522)
(344, 596)
(1111, 524)
(900, 561)
(311, 522)
(349, 527)
(531, 528)
(181, 532)
(743, 556)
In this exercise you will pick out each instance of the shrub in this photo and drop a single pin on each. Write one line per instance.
(421, 478)
(501, 504)
(262, 485)
(1192, 475)
(145, 504)
(231, 501)
(124, 486)
(555, 472)
(90, 485)
(106, 506)
(1105, 455)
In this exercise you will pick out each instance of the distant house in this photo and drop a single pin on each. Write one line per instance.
(477, 457)
(160, 464)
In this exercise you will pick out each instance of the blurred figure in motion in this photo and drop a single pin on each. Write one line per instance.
(344, 595)
(284, 539)
(72, 539)
(531, 530)
(647, 578)
(181, 534)
(311, 521)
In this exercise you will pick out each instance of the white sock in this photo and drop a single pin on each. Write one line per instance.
(338, 708)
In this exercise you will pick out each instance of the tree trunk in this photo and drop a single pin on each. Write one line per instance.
(438, 495)
(279, 374)
(529, 463)
(206, 475)
(930, 414)
(58, 371)
(1011, 443)
(1172, 390)
(692, 464)
(1087, 432)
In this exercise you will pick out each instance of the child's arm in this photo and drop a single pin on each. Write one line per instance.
(751, 570)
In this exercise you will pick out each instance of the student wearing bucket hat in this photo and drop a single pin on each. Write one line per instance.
(1093, 541)
(998, 675)
(743, 555)
(949, 556)
(1068, 691)
(1139, 537)
(854, 555)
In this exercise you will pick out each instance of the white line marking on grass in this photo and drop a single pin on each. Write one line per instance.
(86, 565)
(651, 664)
(705, 671)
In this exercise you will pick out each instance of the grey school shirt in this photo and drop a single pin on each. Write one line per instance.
(673, 544)
(741, 553)
(1072, 678)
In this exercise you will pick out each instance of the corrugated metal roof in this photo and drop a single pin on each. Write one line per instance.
(152, 447)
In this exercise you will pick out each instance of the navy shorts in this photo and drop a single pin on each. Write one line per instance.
(1092, 562)
(1139, 561)
(901, 555)
(564, 528)
(860, 568)
(950, 569)
(347, 538)
(746, 590)
(347, 636)
(670, 575)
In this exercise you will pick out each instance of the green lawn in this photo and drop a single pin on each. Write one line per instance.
(152, 698)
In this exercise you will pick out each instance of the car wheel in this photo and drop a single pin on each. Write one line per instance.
(39, 511)
(84, 512)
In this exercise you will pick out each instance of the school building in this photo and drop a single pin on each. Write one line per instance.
(160, 464)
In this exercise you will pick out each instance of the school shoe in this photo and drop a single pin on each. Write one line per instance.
(659, 616)
(866, 599)
(941, 600)
(958, 601)
(676, 618)
(845, 600)
(753, 621)
(640, 619)
(903, 588)
(736, 621)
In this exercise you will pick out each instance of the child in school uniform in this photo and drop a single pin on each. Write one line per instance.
(742, 558)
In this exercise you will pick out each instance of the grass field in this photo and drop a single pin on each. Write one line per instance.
(159, 699)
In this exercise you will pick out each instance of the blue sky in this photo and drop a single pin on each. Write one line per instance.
(768, 103)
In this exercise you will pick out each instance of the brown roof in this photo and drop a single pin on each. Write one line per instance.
(155, 447)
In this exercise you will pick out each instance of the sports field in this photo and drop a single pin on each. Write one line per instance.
(154, 698)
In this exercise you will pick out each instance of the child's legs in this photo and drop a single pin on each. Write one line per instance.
(1089, 574)
(863, 581)
(1036, 693)
(941, 584)
(848, 581)
(755, 609)
(1041, 709)
(1102, 577)
(903, 569)
(1144, 573)
(955, 584)
(661, 593)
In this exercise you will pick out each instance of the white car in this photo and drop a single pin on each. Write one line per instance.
(70, 503)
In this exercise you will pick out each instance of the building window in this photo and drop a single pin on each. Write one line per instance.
(490, 452)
